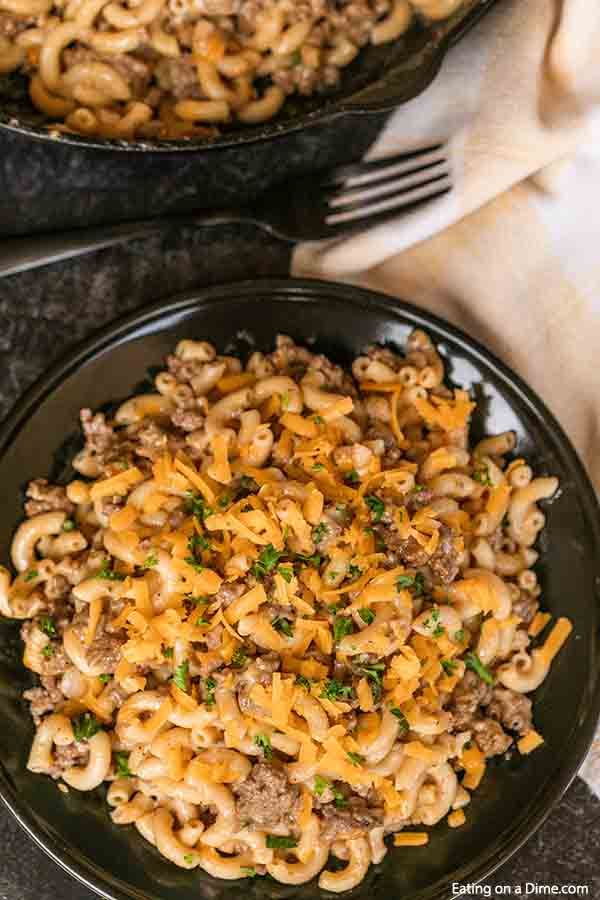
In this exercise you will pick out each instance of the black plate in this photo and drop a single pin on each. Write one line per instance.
(515, 796)
(380, 79)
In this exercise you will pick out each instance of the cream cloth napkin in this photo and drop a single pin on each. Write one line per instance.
(512, 254)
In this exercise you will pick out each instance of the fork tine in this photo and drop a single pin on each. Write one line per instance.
(379, 218)
(411, 178)
(390, 200)
(365, 169)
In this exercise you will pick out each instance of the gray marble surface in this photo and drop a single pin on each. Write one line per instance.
(44, 313)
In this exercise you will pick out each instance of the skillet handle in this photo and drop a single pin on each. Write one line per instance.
(19, 254)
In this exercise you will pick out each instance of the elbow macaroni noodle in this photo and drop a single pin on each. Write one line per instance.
(263, 575)
(173, 69)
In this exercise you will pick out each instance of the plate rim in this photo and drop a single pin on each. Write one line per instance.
(307, 290)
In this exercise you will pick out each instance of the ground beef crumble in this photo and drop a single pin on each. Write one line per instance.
(267, 799)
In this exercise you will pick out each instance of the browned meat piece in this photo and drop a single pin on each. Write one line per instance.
(105, 650)
(75, 754)
(228, 592)
(187, 419)
(57, 587)
(11, 25)
(109, 505)
(99, 436)
(351, 820)
(379, 431)
(267, 799)
(259, 672)
(45, 497)
(469, 694)
(442, 566)
(525, 607)
(511, 709)
(418, 499)
(44, 699)
(490, 737)
(180, 78)
(150, 440)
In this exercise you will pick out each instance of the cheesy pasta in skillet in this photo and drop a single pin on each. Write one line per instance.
(173, 69)
(285, 610)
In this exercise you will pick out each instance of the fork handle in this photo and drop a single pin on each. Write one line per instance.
(19, 254)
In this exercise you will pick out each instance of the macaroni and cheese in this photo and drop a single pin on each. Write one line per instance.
(284, 610)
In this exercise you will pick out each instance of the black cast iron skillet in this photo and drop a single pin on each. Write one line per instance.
(380, 79)
(516, 795)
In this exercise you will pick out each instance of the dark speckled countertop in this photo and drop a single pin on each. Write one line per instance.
(43, 313)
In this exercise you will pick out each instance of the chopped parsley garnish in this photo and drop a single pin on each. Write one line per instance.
(109, 574)
(122, 761)
(193, 562)
(355, 758)
(248, 484)
(318, 420)
(418, 488)
(318, 467)
(181, 676)
(239, 658)
(376, 506)
(319, 532)
(104, 678)
(68, 525)
(352, 476)
(367, 615)
(198, 542)
(320, 785)
(342, 626)
(448, 665)
(373, 673)
(433, 623)
(335, 690)
(48, 651)
(338, 798)
(459, 636)
(266, 562)
(284, 626)
(285, 400)
(33, 573)
(353, 571)
(210, 686)
(196, 505)
(47, 625)
(286, 572)
(168, 652)
(85, 726)
(473, 662)
(224, 500)
(414, 583)
(296, 58)
(314, 560)
(482, 476)
(333, 608)
(202, 621)
(332, 576)
(248, 871)
(188, 858)
(264, 742)
(198, 601)
(150, 561)
(303, 681)
(402, 720)
(281, 842)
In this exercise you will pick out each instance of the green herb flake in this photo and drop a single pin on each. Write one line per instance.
(303, 681)
(284, 626)
(414, 583)
(85, 727)
(122, 761)
(168, 652)
(104, 678)
(376, 506)
(367, 615)
(281, 842)
(266, 562)
(196, 505)
(352, 476)
(47, 625)
(320, 532)
(248, 871)
(474, 663)
(320, 785)
(68, 525)
(48, 651)
(181, 676)
(338, 798)
(459, 636)
(33, 573)
(355, 758)
(210, 685)
(197, 542)
(318, 467)
(109, 574)
(448, 665)
(286, 572)
(314, 561)
(239, 658)
(318, 420)
(264, 742)
(354, 572)
(150, 561)
(342, 626)
(195, 565)
(335, 690)
(402, 720)
(332, 576)
(482, 476)
(188, 859)
(224, 500)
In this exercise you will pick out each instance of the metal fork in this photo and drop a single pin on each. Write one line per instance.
(325, 204)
